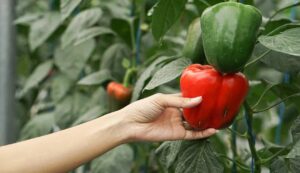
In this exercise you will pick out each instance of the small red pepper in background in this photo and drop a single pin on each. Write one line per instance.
(222, 96)
(118, 91)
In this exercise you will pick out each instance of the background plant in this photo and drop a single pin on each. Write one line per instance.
(70, 50)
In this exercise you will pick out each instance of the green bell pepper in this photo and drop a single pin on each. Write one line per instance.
(229, 33)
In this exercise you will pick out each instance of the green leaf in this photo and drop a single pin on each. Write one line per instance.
(168, 153)
(286, 42)
(96, 78)
(91, 114)
(70, 108)
(295, 152)
(91, 33)
(280, 61)
(273, 25)
(72, 59)
(139, 85)
(39, 73)
(126, 63)
(168, 72)
(60, 86)
(278, 166)
(67, 7)
(189, 156)
(82, 21)
(41, 29)
(119, 160)
(294, 165)
(125, 27)
(27, 19)
(295, 129)
(165, 14)
(39, 125)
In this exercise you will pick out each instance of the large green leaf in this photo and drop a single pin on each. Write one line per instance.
(165, 14)
(91, 33)
(41, 29)
(295, 152)
(286, 42)
(27, 19)
(280, 61)
(39, 73)
(294, 165)
(70, 108)
(82, 21)
(168, 72)
(67, 7)
(96, 78)
(295, 129)
(125, 28)
(39, 125)
(278, 166)
(189, 156)
(115, 53)
(118, 160)
(139, 85)
(72, 59)
(60, 86)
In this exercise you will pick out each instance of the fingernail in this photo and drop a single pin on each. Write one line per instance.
(196, 99)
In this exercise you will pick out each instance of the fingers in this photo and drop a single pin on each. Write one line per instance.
(199, 134)
(176, 101)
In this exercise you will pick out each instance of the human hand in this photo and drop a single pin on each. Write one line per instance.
(158, 118)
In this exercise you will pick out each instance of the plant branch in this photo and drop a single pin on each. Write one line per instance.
(265, 109)
(237, 133)
(261, 96)
(258, 58)
(239, 164)
(267, 160)
(281, 10)
(251, 139)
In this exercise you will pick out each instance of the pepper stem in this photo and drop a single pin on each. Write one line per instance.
(251, 139)
(127, 77)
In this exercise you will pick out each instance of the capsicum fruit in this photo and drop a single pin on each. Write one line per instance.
(118, 91)
(222, 96)
(229, 32)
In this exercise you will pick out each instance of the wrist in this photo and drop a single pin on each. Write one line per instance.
(116, 125)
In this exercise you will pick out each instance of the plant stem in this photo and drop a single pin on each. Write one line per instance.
(239, 164)
(237, 133)
(258, 58)
(267, 160)
(261, 96)
(290, 96)
(233, 147)
(128, 75)
(251, 138)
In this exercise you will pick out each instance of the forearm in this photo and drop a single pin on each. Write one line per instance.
(67, 149)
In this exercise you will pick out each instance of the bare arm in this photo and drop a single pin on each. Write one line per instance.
(156, 118)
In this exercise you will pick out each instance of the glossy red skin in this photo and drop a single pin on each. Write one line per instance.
(118, 91)
(222, 96)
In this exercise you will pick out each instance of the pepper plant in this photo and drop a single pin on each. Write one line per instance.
(70, 51)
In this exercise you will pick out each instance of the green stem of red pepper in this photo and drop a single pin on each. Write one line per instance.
(251, 139)
(128, 76)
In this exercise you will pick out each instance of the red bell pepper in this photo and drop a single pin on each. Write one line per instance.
(222, 96)
(118, 91)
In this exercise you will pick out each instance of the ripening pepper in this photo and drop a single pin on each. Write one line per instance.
(118, 91)
(193, 47)
(229, 32)
(222, 96)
